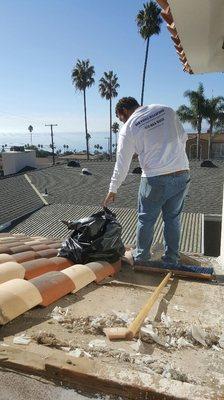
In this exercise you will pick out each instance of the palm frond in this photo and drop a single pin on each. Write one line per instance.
(108, 85)
(83, 75)
(187, 114)
(149, 20)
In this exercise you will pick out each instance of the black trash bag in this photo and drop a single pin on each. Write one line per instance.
(137, 170)
(97, 237)
(208, 164)
(73, 163)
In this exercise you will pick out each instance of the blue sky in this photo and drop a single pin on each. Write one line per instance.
(41, 40)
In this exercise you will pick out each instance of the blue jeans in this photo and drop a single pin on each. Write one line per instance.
(164, 193)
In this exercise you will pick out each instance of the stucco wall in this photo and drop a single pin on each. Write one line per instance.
(14, 161)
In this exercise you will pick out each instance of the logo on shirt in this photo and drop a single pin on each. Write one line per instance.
(151, 117)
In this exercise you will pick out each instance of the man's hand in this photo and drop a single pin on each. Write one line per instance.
(110, 198)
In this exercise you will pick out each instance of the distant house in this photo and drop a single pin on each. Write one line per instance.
(217, 146)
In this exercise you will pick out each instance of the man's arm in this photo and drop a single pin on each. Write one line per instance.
(125, 151)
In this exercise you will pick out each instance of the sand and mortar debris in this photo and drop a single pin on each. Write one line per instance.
(90, 324)
(180, 334)
(166, 333)
(168, 352)
(139, 361)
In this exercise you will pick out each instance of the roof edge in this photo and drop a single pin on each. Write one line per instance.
(168, 18)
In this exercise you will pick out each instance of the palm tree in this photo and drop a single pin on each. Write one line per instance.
(214, 109)
(115, 130)
(148, 21)
(82, 78)
(220, 123)
(108, 88)
(195, 113)
(30, 128)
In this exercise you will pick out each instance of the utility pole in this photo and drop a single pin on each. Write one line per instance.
(52, 140)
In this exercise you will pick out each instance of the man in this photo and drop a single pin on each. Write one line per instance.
(155, 133)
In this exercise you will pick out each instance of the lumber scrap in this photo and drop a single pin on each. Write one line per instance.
(92, 376)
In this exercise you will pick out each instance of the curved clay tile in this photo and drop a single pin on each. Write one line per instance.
(172, 29)
(178, 48)
(163, 4)
(16, 297)
(167, 16)
(176, 39)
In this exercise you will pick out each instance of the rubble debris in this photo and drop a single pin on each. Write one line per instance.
(93, 325)
(143, 359)
(182, 342)
(137, 346)
(216, 348)
(48, 339)
(22, 339)
(124, 317)
(178, 308)
(59, 314)
(221, 341)
(172, 373)
(98, 344)
(198, 335)
(79, 353)
(76, 353)
(66, 348)
(148, 334)
(166, 320)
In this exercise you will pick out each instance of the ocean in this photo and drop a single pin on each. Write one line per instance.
(75, 141)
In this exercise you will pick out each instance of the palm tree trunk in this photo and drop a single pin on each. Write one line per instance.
(210, 139)
(198, 138)
(144, 70)
(110, 129)
(86, 130)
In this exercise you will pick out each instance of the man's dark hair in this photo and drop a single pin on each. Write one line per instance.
(128, 103)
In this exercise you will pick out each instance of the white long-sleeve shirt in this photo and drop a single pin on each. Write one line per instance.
(155, 133)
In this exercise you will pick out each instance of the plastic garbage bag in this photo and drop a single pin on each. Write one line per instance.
(94, 238)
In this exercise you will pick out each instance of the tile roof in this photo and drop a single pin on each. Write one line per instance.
(167, 16)
(196, 29)
(67, 185)
(42, 281)
(17, 198)
(46, 222)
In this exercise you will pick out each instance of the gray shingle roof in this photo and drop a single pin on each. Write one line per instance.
(68, 185)
(206, 188)
(17, 198)
(45, 222)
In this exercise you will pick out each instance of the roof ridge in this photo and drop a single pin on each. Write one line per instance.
(35, 189)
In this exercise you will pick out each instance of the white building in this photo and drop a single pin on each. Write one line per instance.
(14, 161)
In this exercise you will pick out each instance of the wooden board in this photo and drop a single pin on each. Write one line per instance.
(91, 376)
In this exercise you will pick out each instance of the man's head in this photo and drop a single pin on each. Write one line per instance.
(125, 107)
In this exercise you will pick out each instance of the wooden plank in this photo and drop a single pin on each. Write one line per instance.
(176, 273)
(94, 377)
(20, 360)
